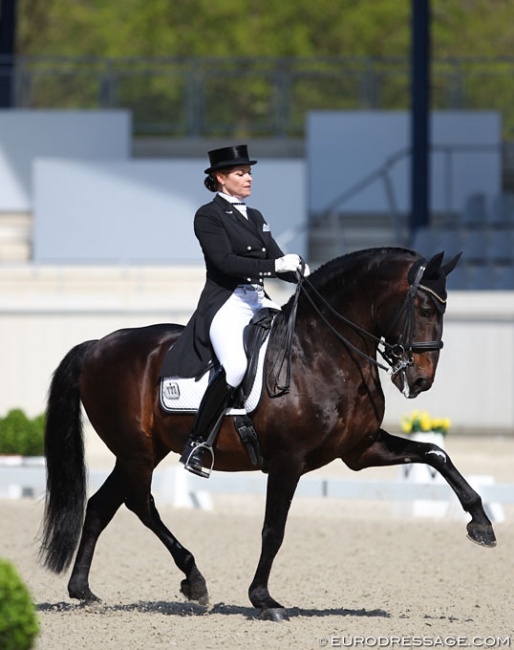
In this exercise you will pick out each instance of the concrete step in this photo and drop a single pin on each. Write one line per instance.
(15, 237)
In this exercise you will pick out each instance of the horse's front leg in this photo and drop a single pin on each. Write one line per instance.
(394, 450)
(282, 482)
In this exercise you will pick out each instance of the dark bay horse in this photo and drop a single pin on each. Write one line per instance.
(393, 302)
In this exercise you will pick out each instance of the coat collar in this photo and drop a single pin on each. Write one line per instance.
(232, 212)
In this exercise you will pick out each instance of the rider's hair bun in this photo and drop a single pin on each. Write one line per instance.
(210, 183)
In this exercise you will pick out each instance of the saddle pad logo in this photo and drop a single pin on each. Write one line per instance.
(170, 389)
(179, 395)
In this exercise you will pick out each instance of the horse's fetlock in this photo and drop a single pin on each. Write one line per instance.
(472, 503)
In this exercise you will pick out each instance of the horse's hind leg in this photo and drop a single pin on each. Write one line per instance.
(141, 502)
(193, 586)
(394, 450)
(101, 508)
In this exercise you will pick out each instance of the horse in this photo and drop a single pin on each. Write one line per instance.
(324, 402)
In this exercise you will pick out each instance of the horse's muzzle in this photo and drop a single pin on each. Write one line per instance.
(412, 382)
(420, 385)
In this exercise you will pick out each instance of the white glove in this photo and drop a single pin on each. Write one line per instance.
(306, 270)
(288, 264)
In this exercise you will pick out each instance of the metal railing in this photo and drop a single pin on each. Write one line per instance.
(219, 97)
(333, 213)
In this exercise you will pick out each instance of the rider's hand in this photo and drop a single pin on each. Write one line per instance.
(288, 264)
(306, 270)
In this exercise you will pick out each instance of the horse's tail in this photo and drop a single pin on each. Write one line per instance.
(65, 464)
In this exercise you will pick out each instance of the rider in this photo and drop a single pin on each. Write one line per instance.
(239, 253)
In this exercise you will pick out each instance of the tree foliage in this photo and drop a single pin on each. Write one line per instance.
(180, 66)
(22, 435)
(202, 28)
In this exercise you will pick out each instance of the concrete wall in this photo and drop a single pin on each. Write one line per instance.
(142, 210)
(45, 310)
(92, 203)
(26, 135)
(346, 147)
(71, 193)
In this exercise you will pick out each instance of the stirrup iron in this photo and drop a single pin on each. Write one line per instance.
(203, 472)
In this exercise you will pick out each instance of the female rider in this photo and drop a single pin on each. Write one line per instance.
(240, 253)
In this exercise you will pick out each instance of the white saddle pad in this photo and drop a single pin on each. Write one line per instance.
(183, 395)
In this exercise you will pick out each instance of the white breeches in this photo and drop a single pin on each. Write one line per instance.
(226, 332)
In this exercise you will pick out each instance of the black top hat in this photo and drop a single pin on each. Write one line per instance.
(229, 157)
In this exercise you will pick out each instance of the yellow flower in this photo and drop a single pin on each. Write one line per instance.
(421, 421)
(425, 422)
(406, 424)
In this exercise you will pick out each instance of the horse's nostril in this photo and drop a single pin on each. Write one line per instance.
(422, 384)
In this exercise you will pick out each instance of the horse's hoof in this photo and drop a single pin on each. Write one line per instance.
(195, 591)
(276, 614)
(481, 534)
(86, 596)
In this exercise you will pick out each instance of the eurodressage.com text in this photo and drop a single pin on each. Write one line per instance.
(415, 642)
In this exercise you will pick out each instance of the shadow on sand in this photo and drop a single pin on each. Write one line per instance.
(190, 609)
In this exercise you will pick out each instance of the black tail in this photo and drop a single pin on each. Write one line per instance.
(65, 466)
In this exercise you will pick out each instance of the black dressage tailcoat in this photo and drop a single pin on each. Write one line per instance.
(236, 251)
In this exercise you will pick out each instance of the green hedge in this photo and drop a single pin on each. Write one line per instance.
(19, 625)
(21, 435)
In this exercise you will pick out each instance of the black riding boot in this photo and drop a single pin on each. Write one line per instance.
(206, 425)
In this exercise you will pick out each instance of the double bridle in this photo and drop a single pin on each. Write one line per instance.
(398, 356)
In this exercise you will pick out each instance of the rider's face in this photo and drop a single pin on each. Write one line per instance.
(236, 181)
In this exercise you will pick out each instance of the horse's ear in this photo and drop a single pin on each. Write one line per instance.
(433, 265)
(449, 266)
(435, 274)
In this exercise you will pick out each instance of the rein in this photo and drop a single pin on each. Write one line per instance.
(287, 346)
(398, 356)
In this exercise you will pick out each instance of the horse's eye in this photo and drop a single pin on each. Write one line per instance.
(426, 312)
